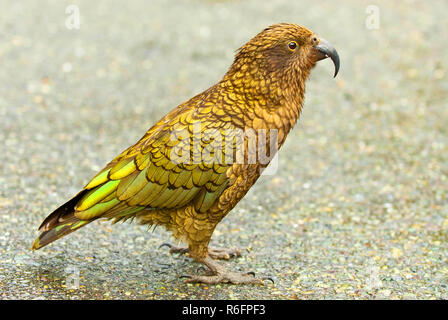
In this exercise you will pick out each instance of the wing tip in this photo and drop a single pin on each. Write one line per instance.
(36, 245)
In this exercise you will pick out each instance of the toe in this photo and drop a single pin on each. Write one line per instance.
(205, 279)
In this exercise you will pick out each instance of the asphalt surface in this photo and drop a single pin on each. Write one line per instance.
(356, 210)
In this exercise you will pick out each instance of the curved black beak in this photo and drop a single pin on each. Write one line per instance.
(324, 50)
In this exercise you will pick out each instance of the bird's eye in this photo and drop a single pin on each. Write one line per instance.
(292, 45)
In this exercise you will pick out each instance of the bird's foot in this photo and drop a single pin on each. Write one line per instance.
(215, 253)
(228, 277)
(223, 253)
(220, 274)
(174, 249)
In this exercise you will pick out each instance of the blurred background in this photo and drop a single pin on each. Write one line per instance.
(358, 207)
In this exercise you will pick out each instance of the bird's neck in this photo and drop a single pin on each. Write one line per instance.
(271, 100)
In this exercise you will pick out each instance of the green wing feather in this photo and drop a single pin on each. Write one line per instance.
(143, 177)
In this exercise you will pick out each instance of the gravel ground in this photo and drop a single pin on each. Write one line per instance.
(357, 209)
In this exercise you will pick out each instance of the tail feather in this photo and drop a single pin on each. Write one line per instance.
(49, 236)
(60, 223)
(61, 214)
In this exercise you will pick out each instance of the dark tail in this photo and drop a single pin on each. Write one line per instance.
(60, 223)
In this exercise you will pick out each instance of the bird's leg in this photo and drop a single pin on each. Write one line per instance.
(220, 274)
(214, 253)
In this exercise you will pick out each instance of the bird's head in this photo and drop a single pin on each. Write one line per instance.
(280, 53)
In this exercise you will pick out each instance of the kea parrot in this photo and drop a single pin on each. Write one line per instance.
(194, 165)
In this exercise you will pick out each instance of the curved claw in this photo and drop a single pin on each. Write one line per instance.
(166, 244)
(185, 276)
(251, 273)
(201, 268)
(269, 278)
(234, 254)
